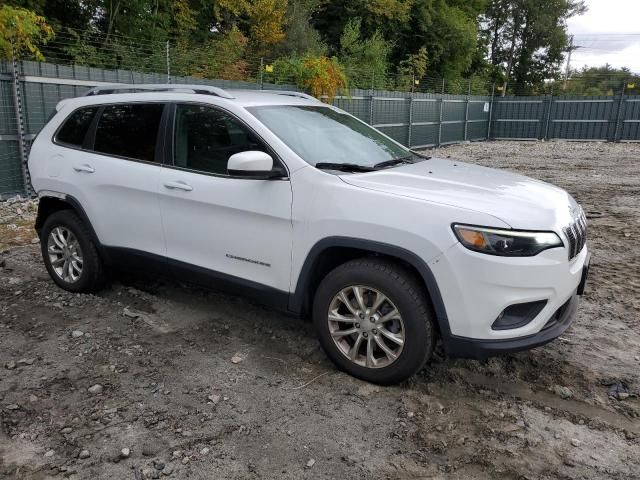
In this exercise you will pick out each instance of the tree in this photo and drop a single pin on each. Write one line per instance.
(22, 31)
(412, 69)
(318, 74)
(266, 23)
(526, 41)
(300, 36)
(596, 81)
(365, 59)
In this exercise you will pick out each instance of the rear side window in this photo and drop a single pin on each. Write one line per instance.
(129, 130)
(76, 126)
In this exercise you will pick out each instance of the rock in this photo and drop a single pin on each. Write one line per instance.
(125, 452)
(349, 460)
(77, 334)
(167, 470)
(575, 442)
(562, 392)
(84, 454)
(311, 463)
(95, 389)
(49, 453)
(150, 450)
(10, 365)
(158, 465)
(236, 358)
(66, 430)
(637, 357)
(214, 399)
(204, 451)
(25, 361)
(619, 391)
(13, 406)
(185, 460)
(33, 398)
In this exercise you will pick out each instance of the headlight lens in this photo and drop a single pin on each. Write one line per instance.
(506, 243)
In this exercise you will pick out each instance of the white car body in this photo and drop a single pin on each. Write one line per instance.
(266, 233)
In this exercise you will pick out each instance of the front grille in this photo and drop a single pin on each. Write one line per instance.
(576, 234)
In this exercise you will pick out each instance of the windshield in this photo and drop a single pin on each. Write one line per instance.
(320, 135)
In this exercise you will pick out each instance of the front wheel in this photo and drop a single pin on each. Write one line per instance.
(374, 321)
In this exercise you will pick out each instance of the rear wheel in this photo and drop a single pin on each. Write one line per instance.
(374, 321)
(69, 254)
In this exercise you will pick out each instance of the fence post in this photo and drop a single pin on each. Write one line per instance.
(441, 111)
(619, 113)
(261, 73)
(466, 113)
(547, 122)
(372, 96)
(21, 130)
(413, 82)
(493, 94)
(168, 63)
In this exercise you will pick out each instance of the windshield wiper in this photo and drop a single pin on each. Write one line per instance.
(344, 167)
(392, 162)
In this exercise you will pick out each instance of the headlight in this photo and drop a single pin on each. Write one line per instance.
(507, 243)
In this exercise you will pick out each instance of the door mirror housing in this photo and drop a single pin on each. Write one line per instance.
(253, 164)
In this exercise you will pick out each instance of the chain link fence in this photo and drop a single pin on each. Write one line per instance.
(417, 112)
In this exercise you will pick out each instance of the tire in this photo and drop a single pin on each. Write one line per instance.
(86, 275)
(404, 291)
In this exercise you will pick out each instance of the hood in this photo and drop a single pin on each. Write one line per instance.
(521, 202)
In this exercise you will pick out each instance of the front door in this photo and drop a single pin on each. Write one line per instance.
(217, 226)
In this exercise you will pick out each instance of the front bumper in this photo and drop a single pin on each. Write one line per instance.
(463, 347)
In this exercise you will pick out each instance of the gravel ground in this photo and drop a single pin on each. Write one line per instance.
(155, 380)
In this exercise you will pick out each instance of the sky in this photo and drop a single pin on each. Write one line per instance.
(605, 34)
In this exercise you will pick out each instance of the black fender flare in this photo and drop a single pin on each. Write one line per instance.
(297, 298)
(74, 205)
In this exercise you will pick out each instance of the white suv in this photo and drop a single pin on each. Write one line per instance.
(295, 203)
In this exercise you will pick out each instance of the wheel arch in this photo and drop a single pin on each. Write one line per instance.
(51, 202)
(330, 252)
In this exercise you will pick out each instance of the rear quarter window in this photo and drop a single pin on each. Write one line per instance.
(75, 127)
(129, 130)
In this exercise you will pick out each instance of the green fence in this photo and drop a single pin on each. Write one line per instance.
(29, 92)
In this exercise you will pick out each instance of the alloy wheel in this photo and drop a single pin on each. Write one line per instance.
(65, 254)
(366, 326)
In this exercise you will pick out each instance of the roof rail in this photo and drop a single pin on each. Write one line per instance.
(290, 93)
(159, 87)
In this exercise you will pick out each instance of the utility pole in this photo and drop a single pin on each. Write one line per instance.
(168, 59)
(568, 70)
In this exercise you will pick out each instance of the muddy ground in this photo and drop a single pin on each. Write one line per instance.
(150, 379)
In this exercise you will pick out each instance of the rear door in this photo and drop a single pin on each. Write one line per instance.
(116, 173)
(218, 226)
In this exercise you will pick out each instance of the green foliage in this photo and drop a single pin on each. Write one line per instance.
(320, 75)
(300, 36)
(527, 42)
(365, 58)
(318, 44)
(23, 31)
(597, 81)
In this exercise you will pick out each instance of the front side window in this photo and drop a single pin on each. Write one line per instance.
(129, 130)
(205, 138)
(76, 126)
(321, 135)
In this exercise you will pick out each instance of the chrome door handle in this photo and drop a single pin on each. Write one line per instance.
(84, 168)
(178, 186)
